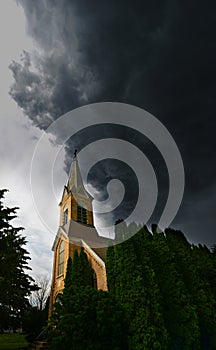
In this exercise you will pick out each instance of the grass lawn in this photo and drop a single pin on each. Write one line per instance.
(11, 341)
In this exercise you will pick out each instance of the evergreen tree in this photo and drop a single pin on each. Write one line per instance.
(15, 284)
(158, 336)
(195, 264)
(33, 322)
(111, 324)
(161, 296)
(85, 318)
(70, 326)
(110, 266)
(179, 312)
(85, 269)
(135, 288)
(204, 296)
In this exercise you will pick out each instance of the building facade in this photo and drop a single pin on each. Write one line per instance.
(76, 230)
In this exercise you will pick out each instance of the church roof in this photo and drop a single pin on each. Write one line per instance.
(75, 182)
(101, 252)
(78, 233)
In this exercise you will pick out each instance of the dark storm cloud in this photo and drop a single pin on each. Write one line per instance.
(159, 55)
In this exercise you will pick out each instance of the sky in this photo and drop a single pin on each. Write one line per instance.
(17, 143)
(59, 55)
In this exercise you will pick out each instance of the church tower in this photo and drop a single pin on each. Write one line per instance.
(76, 202)
(76, 230)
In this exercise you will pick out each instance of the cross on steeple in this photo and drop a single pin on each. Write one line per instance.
(75, 153)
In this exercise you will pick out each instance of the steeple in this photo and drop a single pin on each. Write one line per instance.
(76, 202)
(75, 182)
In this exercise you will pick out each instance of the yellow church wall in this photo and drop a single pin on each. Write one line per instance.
(99, 269)
(70, 203)
(96, 265)
(66, 202)
(58, 280)
(74, 209)
(88, 205)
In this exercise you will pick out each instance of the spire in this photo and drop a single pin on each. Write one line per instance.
(75, 182)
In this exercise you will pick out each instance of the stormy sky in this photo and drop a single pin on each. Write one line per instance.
(158, 55)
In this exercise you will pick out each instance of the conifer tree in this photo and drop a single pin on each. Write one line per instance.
(204, 298)
(70, 326)
(179, 312)
(79, 271)
(15, 284)
(159, 284)
(85, 318)
(85, 269)
(158, 335)
(194, 264)
(132, 288)
(111, 270)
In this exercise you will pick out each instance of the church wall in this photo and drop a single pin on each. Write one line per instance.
(66, 202)
(98, 266)
(100, 271)
(71, 203)
(58, 280)
(74, 209)
(95, 264)
(88, 205)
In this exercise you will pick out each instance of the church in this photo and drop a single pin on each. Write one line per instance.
(76, 230)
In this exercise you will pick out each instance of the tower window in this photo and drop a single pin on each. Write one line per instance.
(82, 215)
(65, 217)
(61, 259)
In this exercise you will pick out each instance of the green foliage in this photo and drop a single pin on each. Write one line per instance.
(196, 266)
(15, 284)
(133, 284)
(5, 318)
(167, 287)
(178, 309)
(111, 327)
(162, 296)
(33, 321)
(81, 271)
(85, 318)
(12, 341)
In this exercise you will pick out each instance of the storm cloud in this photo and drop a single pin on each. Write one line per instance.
(157, 55)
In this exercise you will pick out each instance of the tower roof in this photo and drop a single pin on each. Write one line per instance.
(75, 182)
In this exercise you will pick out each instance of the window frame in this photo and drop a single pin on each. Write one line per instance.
(61, 258)
(82, 215)
(65, 216)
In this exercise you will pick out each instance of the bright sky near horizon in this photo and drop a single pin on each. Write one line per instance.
(17, 142)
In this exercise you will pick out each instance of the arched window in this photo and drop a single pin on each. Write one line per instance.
(61, 259)
(94, 279)
(82, 215)
(65, 216)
